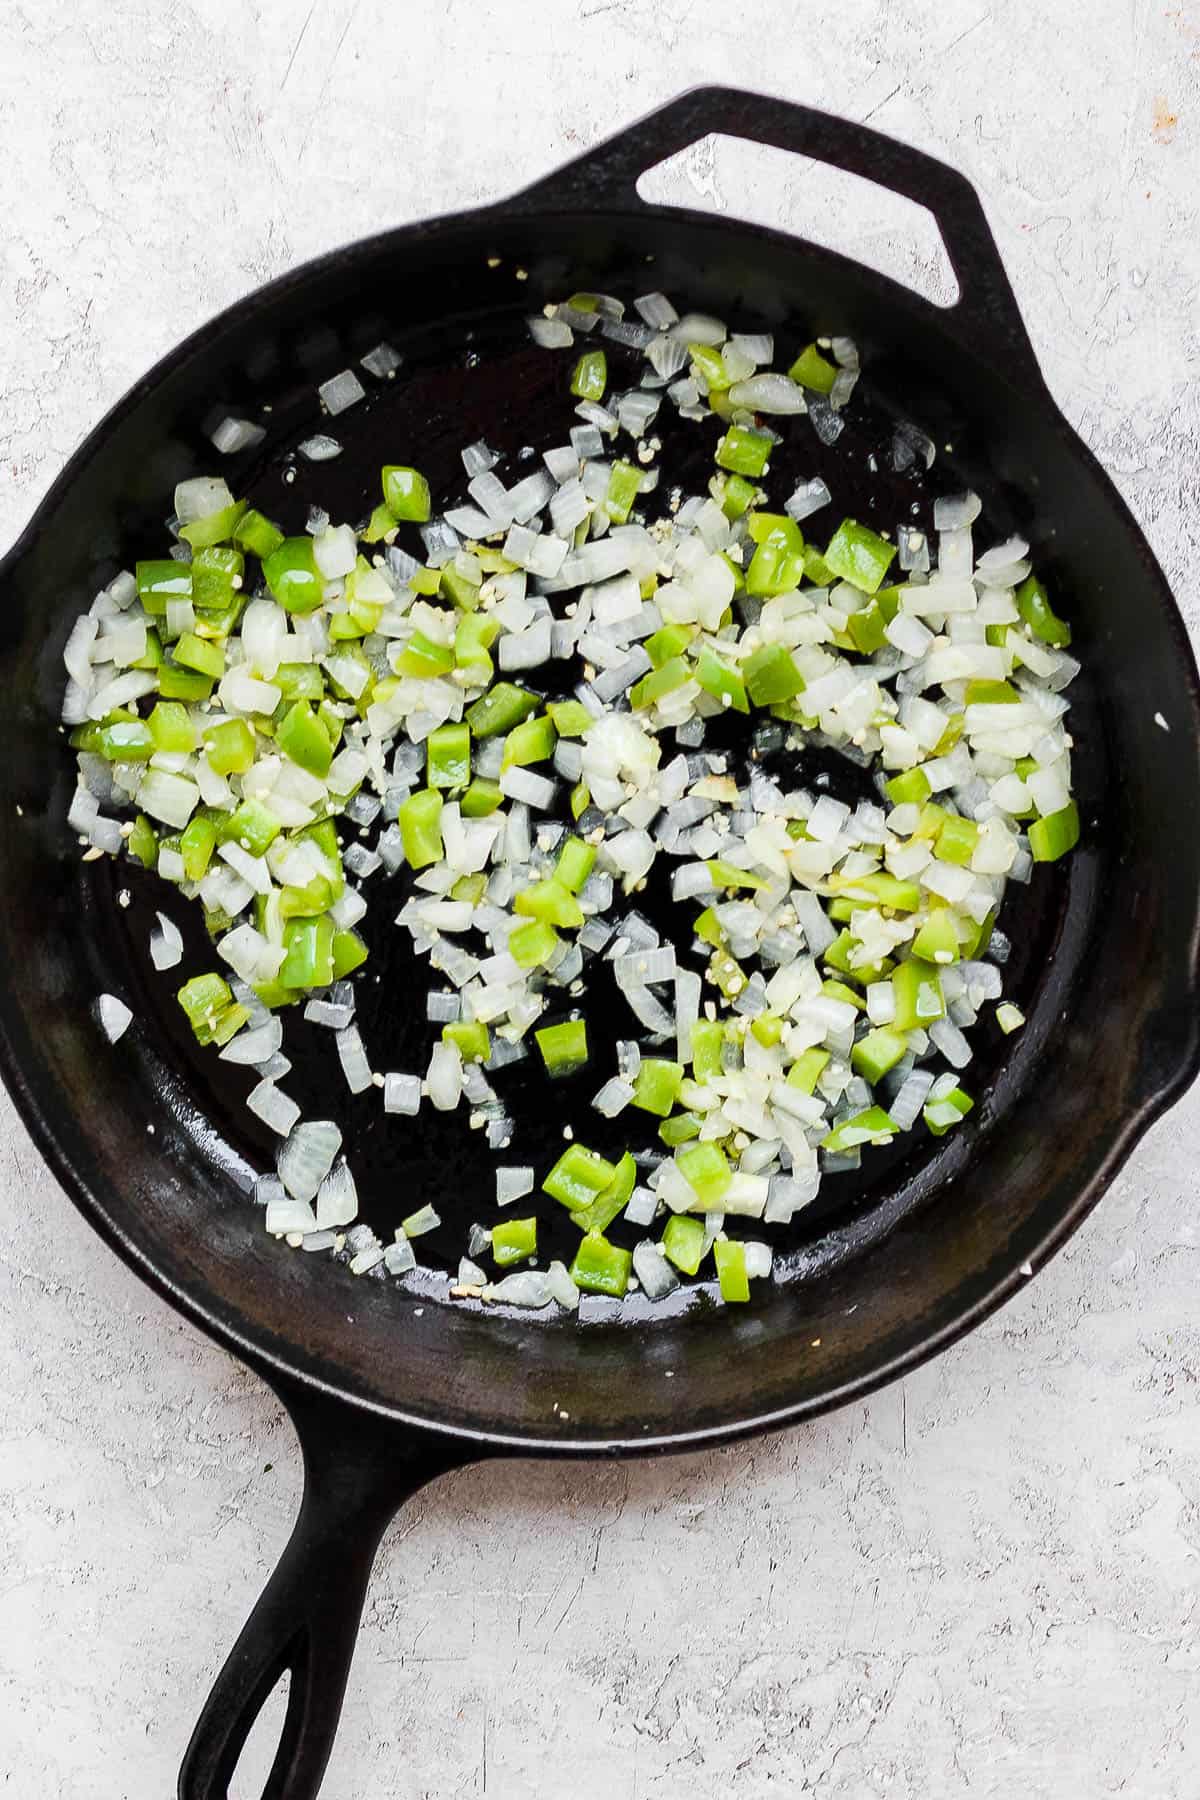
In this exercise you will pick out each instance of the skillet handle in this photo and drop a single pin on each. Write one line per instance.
(307, 1619)
(606, 177)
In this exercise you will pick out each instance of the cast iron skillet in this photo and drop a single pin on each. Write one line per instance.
(389, 1386)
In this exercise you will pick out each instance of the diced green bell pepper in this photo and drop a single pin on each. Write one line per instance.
(951, 1109)
(308, 962)
(730, 1258)
(813, 371)
(877, 1052)
(471, 1037)
(683, 1242)
(575, 863)
(291, 573)
(1033, 604)
(420, 822)
(720, 680)
(229, 747)
(771, 676)
(301, 736)
(589, 377)
(533, 944)
(919, 998)
(872, 1125)
(564, 1047)
(859, 555)
(708, 1036)
(448, 756)
(256, 533)
(601, 1267)
(501, 709)
(599, 1214)
(656, 1085)
(706, 1171)
(745, 452)
(578, 1176)
(513, 1241)
(551, 902)
(406, 493)
(1053, 836)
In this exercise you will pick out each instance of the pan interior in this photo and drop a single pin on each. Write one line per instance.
(156, 1130)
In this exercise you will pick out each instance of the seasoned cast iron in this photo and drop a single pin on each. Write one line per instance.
(388, 1385)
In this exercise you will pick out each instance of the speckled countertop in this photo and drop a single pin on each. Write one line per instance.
(982, 1582)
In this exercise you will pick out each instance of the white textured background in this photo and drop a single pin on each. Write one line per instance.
(982, 1583)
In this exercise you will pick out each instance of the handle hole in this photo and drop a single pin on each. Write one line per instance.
(830, 207)
(262, 1742)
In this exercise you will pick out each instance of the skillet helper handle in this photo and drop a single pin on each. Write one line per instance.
(307, 1620)
(986, 312)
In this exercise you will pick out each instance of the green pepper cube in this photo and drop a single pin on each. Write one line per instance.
(919, 998)
(731, 1269)
(659, 683)
(229, 747)
(551, 902)
(533, 944)
(214, 527)
(680, 1128)
(877, 1052)
(204, 998)
(182, 684)
(859, 555)
(481, 799)
(575, 863)
(728, 875)
(778, 561)
(161, 580)
(256, 533)
(205, 657)
(871, 1126)
(216, 578)
(656, 1085)
(771, 676)
(308, 959)
(807, 1069)
(125, 740)
(951, 1109)
(142, 843)
(704, 1168)
(564, 1047)
(711, 365)
(868, 629)
(406, 493)
(937, 941)
(722, 681)
(448, 756)
(708, 1037)
(601, 1267)
(735, 495)
(530, 742)
(500, 710)
(589, 377)
(578, 1176)
(957, 839)
(420, 822)
(300, 681)
(668, 642)
(813, 371)
(423, 658)
(599, 1214)
(624, 485)
(349, 953)
(910, 788)
(471, 1037)
(302, 737)
(251, 826)
(513, 1241)
(172, 728)
(571, 717)
(196, 845)
(293, 577)
(745, 452)
(1053, 836)
(1033, 604)
(683, 1243)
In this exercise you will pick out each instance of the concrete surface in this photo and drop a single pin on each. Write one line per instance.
(984, 1582)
